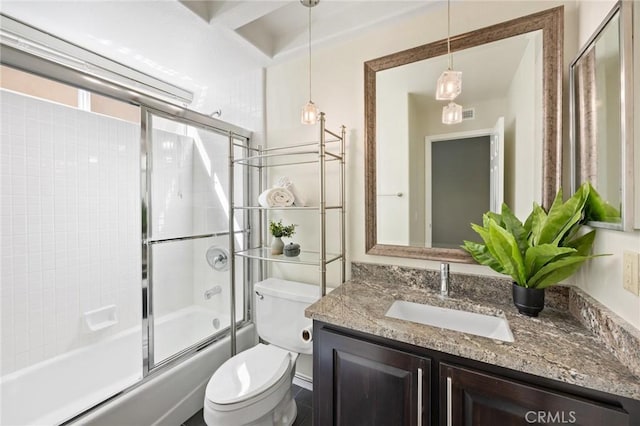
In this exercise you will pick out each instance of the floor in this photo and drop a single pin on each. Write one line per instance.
(303, 401)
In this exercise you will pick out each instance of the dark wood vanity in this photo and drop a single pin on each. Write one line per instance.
(362, 379)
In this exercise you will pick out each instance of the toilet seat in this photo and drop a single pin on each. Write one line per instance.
(247, 376)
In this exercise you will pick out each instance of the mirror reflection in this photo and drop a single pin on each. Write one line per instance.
(434, 179)
(528, 155)
(598, 131)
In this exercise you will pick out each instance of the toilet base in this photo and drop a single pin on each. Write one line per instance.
(283, 414)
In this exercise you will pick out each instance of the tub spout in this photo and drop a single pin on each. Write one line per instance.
(208, 294)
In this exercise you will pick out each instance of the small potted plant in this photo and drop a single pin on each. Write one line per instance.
(543, 251)
(278, 230)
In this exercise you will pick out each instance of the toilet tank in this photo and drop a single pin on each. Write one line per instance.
(279, 313)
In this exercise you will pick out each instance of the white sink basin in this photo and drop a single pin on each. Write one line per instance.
(452, 319)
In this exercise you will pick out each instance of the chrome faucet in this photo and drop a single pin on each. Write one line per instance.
(212, 292)
(444, 279)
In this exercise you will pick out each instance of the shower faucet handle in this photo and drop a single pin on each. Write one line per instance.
(218, 258)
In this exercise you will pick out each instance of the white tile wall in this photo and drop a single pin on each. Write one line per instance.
(241, 100)
(69, 226)
(211, 192)
(189, 197)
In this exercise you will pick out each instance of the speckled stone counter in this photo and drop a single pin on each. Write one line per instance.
(556, 345)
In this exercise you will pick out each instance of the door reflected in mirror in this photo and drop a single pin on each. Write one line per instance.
(434, 179)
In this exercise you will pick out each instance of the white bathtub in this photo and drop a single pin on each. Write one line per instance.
(53, 391)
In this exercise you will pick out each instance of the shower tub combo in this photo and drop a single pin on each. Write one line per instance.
(66, 356)
(41, 394)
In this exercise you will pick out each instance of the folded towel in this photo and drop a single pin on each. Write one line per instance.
(285, 182)
(276, 197)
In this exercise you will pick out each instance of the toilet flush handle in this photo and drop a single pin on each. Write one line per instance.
(260, 296)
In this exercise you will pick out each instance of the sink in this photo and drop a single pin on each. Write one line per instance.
(452, 319)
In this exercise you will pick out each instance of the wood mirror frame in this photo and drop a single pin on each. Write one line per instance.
(552, 25)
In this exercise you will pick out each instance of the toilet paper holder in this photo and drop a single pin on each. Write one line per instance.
(307, 334)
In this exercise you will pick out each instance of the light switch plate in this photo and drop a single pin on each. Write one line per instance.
(631, 272)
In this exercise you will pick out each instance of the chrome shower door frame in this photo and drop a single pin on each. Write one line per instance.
(234, 134)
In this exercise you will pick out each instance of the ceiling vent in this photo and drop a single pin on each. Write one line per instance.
(469, 114)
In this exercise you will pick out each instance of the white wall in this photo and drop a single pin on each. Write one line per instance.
(70, 226)
(392, 132)
(190, 197)
(416, 187)
(241, 100)
(523, 125)
(171, 216)
(602, 277)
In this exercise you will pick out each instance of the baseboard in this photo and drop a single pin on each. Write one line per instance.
(303, 381)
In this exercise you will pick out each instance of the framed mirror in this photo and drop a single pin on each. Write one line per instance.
(420, 175)
(601, 110)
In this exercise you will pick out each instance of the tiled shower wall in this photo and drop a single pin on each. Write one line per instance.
(171, 210)
(190, 197)
(70, 226)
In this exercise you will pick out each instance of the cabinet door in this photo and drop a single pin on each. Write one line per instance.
(362, 383)
(472, 398)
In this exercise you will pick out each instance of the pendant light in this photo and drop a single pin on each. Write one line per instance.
(449, 84)
(452, 113)
(310, 111)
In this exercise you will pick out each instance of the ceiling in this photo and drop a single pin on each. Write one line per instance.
(194, 43)
(278, 29)
(499, 59)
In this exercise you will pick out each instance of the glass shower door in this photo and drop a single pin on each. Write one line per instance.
(187, 222)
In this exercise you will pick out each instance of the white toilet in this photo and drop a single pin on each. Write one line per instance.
(254, 387)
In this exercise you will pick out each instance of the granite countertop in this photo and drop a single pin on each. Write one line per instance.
(555, 345)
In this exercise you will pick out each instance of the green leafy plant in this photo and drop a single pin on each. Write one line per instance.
(277, 229)
(598, 210)
(542, 251)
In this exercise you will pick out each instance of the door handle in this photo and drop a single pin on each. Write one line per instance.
(449, 405)
(419, 396)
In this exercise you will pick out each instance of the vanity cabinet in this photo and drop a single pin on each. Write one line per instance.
(362, 383)
(361, 379)
(471, 397)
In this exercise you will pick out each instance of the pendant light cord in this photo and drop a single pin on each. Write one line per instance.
(448, 34)
(310, 54)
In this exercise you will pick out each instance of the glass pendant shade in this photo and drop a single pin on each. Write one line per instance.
(449, 85)
(310, 113)
(452, 113)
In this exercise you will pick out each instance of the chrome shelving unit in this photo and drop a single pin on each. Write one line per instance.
(304, 153)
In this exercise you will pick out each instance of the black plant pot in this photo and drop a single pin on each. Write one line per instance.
(529, 301)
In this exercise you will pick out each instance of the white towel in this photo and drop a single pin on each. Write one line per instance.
(285, 182)
(276, 197)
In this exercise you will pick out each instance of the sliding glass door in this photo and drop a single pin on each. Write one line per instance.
(186, 231)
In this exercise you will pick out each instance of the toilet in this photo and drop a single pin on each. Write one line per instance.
(254, 387)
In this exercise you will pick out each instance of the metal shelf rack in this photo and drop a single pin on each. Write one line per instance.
(304, 153)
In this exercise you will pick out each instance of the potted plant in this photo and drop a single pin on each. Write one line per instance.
(278, 230)
(542, 251)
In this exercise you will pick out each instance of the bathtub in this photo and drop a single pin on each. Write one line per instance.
(56, 390)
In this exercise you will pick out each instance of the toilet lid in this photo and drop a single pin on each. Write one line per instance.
(248, 374)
